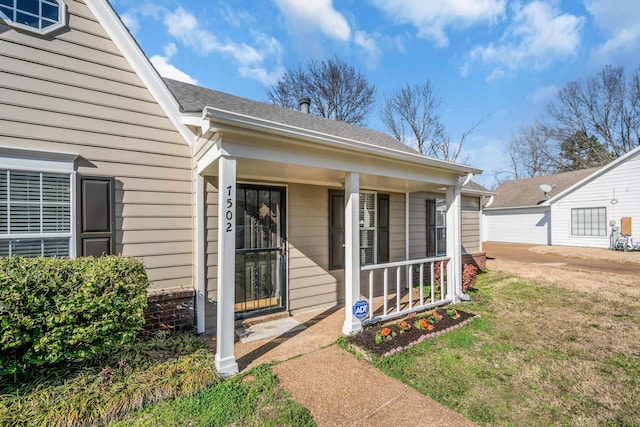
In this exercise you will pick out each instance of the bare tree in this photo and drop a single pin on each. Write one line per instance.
(337, 90)
(411, 115)
(531, 153)
(606, 106)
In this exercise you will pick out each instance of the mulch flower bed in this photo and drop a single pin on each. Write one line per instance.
(383, 340)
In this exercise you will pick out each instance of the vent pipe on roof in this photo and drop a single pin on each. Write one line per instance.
(304, 104)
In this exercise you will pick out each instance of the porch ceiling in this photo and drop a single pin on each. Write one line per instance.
(255, 170)
(286, 160)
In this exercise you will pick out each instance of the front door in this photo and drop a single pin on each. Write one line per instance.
(260, 250)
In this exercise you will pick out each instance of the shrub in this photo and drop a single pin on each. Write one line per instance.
(469, 272)
(57, 310)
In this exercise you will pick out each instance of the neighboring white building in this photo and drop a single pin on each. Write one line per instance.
(577, 211)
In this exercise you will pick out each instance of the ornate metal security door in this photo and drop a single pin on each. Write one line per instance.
(260, 250)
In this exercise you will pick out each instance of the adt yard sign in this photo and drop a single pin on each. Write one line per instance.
(360, 309)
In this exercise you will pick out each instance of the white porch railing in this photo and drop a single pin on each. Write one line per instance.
(406, 303)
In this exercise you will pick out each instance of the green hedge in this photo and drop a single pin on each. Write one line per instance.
(55, 310)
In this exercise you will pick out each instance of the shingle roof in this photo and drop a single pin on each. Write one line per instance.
(193, 98)
(475, 187)
(527, 192)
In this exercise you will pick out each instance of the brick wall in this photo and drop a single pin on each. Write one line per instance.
(170, 310)
(479, 260)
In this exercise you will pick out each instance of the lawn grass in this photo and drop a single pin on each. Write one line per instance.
(538, 355)
(161, 379)
(151, 369)
(250, 399)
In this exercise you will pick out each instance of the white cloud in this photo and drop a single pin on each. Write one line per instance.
(320, 15)
(262, 75)
(131, 22)
(618, 19)
(543, 94)
(369, 46)
(170, 49)
(251, 60)
(433, 17)
(165, 69)
(537, 36)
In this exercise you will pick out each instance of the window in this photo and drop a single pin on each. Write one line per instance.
(436, 227)
(367, 228)
(589, 222)
(374, 228)
(38, 16)
(35, 213)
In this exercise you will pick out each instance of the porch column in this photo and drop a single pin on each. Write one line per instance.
(225, 358)
(200, 244)
(351, 252)
(454, 239)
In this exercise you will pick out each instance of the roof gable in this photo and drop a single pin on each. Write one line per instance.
(129, 48)
(599, 172)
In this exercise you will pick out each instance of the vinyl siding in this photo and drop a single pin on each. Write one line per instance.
(470, 223)
(397, 241)
(470, 212)
(622, 183)
(518, 225)
(311, 283)
(418, 223)
(211, 250)
(74, 92)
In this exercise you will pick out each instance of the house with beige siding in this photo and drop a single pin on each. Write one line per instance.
(237, 208)
(577, 208)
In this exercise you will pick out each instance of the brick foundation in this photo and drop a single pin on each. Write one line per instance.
(478, 260)
(170, 310)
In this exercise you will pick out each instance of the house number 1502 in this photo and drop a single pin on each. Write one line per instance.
(229, 210)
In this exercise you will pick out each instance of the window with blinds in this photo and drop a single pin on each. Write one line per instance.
(367, 228)
(35, 214)
(374, 211)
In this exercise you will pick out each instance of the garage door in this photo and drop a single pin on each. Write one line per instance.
(518, 226)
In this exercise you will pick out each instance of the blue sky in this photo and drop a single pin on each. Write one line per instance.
(500, 60)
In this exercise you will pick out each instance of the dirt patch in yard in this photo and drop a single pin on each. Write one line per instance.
(590, 253)
(610, 287)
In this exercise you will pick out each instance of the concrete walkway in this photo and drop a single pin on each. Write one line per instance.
(338, 388)
(342, 390)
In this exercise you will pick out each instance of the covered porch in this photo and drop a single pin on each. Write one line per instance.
(306, 167)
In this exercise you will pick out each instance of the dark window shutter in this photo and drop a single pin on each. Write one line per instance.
(383, 228)
(431, 227)
(95, 218)
(336, 229)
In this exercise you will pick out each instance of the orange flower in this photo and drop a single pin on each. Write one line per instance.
(385, 332)
(424, 323)
(405, 326)
(429, 327)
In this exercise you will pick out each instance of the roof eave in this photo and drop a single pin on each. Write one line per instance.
(476, 192)
(223, 117)
(502, 208)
